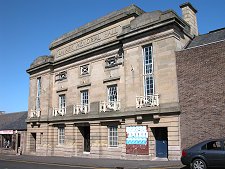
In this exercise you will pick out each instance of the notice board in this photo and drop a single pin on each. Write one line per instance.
(137, 140)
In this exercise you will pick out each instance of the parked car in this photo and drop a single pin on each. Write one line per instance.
(210, 153)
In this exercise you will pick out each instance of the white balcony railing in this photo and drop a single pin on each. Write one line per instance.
(109, 106)
(35, 113)
(80, 109)
(147, 101)
(59, 111)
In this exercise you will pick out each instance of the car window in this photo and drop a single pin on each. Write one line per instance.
(213, 145)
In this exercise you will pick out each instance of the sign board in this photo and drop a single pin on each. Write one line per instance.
(137, 140)
(6, 131)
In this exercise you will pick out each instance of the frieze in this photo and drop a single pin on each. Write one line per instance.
(89, 41)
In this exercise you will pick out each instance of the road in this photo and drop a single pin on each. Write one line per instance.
(11, 164)
(41, 162)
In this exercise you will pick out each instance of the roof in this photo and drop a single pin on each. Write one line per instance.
(211, 37)
(13, 121)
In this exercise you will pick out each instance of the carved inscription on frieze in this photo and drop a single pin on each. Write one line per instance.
(88, 41)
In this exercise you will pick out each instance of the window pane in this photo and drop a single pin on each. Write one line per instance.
(84, 97)
(61, 135)
(148, 71)
(149, 85)
(38, 93)
(112, 93)
(113, 138)
(62, 101)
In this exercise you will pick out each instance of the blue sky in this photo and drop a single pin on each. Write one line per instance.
(27, 27)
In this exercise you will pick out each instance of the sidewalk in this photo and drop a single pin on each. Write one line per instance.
(92, 162)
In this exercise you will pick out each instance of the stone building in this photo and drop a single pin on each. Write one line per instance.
(201, 72)
(109, 88)
(13, 132)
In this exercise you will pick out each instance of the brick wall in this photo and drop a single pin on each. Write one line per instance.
(201, 85)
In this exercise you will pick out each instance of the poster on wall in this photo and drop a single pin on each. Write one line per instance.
(137, 140)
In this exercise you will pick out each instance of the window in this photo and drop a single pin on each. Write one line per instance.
(111, 62)
(84, 70)
(148, 71)
(213, 145)
(62, 101)
(38, 93)
(61, 76)
(112, 93)
(84, 97)
(61, 135)
(113, 136)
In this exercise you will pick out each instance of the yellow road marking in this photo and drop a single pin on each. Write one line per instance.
(53, 164)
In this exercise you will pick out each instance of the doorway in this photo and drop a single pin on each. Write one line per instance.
(161, 138)
(33, 142)
(85, 131)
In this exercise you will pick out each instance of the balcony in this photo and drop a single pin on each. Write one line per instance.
(109, 106)
(35, 113)
(80, 109)
(59, 111)
(147, 101)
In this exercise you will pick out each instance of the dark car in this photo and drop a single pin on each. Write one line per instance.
(210, 153)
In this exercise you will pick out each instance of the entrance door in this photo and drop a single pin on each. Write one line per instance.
(85, 131)
(33, 142)
(161, 142)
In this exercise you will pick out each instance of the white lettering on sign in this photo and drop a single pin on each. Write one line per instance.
(88, 41)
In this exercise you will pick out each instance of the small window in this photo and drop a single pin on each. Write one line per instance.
(61, 76)
(113, 136)
(111, 62)
(61, 135)
(213, 145)
(84, 70)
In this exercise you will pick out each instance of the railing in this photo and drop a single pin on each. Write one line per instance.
(59, 111)
(35, 113)
(147, 101)
(80, 109)
(109, 106)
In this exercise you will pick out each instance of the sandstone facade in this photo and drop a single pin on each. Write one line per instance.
(107, 82)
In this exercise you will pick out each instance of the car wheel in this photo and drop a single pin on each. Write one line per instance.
(199, 164)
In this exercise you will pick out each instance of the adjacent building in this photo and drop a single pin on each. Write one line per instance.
(13, 132)
(200, 72)
(109, 88)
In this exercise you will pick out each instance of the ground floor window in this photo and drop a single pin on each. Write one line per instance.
(61, 135)
(113, 136)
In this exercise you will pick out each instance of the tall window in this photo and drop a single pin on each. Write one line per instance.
(61, 135)
(148, 71)
(113, 136)
(38, 93)
(112, 93)
(84, 97)
(62, 102)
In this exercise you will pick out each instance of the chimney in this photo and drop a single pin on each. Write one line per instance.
(189, 15)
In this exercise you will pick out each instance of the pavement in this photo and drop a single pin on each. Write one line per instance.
(93, 162)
